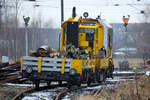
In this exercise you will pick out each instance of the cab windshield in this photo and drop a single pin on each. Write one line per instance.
(87, 30)
(89, 35)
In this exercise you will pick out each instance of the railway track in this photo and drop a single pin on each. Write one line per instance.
(94, 89)
(9, 73)
(20, 95)
(61, 93)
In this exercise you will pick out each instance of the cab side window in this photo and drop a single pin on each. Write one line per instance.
(110, 38)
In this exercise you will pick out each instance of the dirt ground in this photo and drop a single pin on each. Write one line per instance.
(8, 92)
(139, 89)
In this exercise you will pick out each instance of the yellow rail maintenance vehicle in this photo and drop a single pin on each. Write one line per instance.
(85, 54)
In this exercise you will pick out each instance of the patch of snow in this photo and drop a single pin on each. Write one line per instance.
(25, 85)
(31, 85)
(119, 53)
(43, 95)
(91, 88)
(125, 49)
(29, 98)
(66, 98)
(123, 72)
(147, 73)
(117, 80)
(114, 79)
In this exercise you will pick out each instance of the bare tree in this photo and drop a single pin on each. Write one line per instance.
(36, 27)
(147, 14)
(9, 11)
(143, 39)
(17, 6)
(48, 24)
(0, 16)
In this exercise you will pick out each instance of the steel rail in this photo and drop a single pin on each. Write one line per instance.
(20, 95)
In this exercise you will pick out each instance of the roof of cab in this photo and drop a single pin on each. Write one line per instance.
(74, 19)
(78, 18)
(104, 22)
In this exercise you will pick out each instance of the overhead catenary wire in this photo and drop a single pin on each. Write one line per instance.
(90, 5)
(50, 3)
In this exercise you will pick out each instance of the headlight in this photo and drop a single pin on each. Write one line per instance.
(29, 69)
(72, 72)
(24, 67)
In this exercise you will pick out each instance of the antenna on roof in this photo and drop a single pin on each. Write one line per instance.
(74, 12)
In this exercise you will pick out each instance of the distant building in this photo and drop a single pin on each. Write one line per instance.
(123, 51)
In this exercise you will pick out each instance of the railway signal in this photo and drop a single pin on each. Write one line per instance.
(26, 20)
(125, 21)
(62, 11)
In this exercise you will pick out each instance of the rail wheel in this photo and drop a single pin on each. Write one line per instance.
(88, 79)
(37, 83)
(89, 82)
(49, 83)
(60, 83)
(100, 76)
(79, 84)
(69, 84)
(111, 70)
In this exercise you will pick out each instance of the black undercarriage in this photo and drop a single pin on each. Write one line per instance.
(88, 76)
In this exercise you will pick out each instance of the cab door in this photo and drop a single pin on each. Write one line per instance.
(72, 33)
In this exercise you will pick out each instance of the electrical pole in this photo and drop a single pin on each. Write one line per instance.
(26, 20)
(62, 18)
(1, 15)
(62, 11)
(0, 20)
(16, 26)
(26, 39)
(125, 22)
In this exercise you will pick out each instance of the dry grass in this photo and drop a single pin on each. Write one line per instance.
(8, 92)
(87, 98)
(137, 90)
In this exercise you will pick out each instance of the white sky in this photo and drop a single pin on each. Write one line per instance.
(50, 9)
